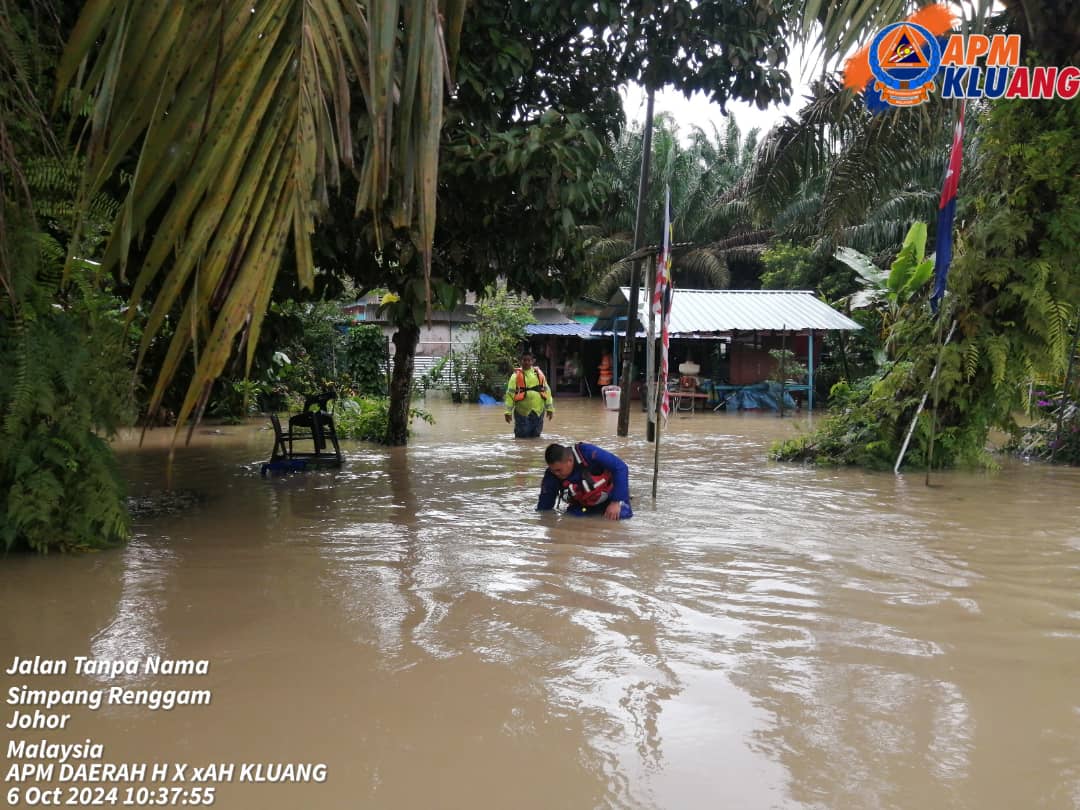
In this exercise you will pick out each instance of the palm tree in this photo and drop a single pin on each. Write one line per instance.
(837, 175)
(698, 173)
(241, 117)
(1049, 27)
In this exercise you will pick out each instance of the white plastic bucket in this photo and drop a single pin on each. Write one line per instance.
(612, 394)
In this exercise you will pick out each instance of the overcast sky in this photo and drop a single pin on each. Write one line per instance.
(702, 112)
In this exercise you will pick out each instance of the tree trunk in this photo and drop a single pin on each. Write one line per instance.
(405, 340)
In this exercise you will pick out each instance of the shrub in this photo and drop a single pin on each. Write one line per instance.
(368, 418)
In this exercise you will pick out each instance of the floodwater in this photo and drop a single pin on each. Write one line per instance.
(762, 636)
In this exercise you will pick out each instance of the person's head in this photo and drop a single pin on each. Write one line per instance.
(560, 460)
(527, 359)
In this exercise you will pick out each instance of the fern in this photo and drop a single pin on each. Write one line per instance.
(64, 377)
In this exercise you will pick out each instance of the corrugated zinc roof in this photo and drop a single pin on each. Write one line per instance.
(694, 311)
(572, 329)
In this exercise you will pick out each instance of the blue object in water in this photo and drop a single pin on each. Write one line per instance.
(283, 466)
(486, 399)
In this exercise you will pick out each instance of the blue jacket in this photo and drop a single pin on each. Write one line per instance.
(599, 461)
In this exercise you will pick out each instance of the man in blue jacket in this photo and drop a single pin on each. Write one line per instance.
(591, 481)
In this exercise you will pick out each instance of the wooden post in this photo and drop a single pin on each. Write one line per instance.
(783, 368)
(626, 380)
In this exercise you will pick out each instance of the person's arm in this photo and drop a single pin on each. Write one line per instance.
(549, 492)
(508, 400)
(549, 403)
(620, 474)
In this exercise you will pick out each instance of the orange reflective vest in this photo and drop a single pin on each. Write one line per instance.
(540, 387)
(591, 490)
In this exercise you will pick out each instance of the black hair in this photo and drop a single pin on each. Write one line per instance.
(556, 452)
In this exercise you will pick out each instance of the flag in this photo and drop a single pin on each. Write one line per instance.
(661, 304)
(946, 212)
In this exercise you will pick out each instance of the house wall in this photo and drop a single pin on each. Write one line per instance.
(750, 365)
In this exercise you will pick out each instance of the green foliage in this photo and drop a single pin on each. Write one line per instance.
(726, 49)
(536, 104)
(436, 376)
(787, 267)
(368, 418)
(64, 380)
(64, 390)
(305, 353)
(698, 170)
(1055, 435)
(238, 399)
(363, 358)
(787, 367)
(501, 318)
(1014, 285)
(911, 269)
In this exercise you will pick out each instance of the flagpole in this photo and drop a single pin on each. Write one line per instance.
(663, 285)
(650, 361)
(942, 257)
(661, 381)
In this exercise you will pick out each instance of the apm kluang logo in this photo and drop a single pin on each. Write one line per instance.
(906, 61)
(904, 58)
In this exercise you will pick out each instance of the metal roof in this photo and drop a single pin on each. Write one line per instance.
(572, 329)
(697, 311)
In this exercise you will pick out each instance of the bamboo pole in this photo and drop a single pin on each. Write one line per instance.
(922, 404)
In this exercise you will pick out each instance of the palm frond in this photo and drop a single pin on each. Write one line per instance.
(702, 269)
(758, 237)
(833, 29)
(242, 115)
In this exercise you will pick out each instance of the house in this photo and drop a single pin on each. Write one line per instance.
(565, 345)
(447, 330)
(729, 333)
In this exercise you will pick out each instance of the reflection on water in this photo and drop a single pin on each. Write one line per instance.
(763, 636)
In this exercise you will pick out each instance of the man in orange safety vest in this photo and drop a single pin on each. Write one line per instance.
(528, 398)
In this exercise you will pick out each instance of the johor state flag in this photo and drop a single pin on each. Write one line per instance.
(662, 305)
(946, 212)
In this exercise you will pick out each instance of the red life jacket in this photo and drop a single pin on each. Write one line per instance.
(540, 387)
(591, 489)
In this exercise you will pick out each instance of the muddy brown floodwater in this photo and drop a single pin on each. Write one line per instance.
(763, 636)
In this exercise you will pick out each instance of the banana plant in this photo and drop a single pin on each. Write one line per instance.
(912, 268)
(896, 291)
(906, 276)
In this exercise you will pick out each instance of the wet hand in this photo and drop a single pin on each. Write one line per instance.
(550, 415)
(509, 418)
(612, 511)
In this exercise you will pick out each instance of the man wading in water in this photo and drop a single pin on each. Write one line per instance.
(528, 398)
(592, 481)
